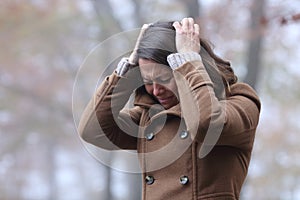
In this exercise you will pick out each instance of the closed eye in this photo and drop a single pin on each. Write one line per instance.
(160, 80)
(148, 82)
(164, 80)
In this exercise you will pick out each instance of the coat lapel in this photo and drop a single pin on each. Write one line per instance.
(143, 99)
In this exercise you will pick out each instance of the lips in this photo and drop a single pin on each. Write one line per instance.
(164, 100)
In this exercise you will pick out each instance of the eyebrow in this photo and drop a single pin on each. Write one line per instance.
(158, 77)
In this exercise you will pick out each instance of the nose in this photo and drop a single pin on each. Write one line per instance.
(157, 89)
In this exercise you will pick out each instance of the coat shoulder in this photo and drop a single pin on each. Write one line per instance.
(244, 89)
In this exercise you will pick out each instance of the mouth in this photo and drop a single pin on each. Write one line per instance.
(164, 100)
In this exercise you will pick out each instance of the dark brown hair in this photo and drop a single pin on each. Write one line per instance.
(223, 65)
(159, 41)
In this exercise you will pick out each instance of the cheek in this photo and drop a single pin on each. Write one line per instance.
(149, 89)
(173, 87)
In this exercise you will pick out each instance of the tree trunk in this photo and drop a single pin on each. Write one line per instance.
(106, 18)
(139, 19)
(255, 43)
(193, 7)
(51, 168)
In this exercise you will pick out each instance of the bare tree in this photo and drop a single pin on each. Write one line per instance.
(193, 8)
(139, 20)
(255, 43)
(111, 25)
(107, 20)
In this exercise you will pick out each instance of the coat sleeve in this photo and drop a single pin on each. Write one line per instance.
(104, 122)
(211, 121)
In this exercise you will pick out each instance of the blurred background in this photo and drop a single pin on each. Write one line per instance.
(43, 45)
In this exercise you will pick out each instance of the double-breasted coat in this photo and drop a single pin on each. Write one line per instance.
(197, 149)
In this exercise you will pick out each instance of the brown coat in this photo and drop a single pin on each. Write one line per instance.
(198, 149)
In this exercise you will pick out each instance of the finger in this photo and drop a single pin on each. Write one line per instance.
(191, 24)
(196, 29)
(144, 28)
(177, 27)
(133, 56)
(185, 25)
(141, 34)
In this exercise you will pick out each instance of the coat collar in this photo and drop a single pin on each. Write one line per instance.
(143, 99)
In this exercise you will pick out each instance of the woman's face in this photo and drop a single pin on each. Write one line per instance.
(159, 82)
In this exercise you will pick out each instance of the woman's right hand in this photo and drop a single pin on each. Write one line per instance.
(133, 58)
(126, 63)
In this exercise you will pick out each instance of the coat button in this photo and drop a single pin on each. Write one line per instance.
(149, 180)
(184, 180)
(184, 134)
(149, 136)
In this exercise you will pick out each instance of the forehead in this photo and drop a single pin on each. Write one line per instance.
(150, 68)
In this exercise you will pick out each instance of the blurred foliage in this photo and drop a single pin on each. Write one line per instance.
(44, 43)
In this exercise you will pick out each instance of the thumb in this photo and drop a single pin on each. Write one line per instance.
(177, 27)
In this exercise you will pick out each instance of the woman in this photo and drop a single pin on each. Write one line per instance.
(192, 124)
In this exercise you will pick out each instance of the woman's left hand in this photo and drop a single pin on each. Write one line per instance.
(187, 36)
